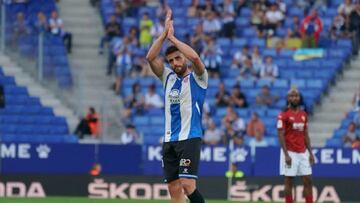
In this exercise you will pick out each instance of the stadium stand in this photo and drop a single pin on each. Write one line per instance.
(25, 119)
(55, 57)
(313, 77)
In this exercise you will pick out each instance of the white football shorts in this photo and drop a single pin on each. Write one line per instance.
(300, 164)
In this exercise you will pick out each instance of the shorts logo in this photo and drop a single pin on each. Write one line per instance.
(185, 170)
(185, 162)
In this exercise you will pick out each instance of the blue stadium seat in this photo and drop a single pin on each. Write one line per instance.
(262, 82)
(239, 42)
(281, 83)
(141, 120)
(157, 120)
(334, 142)
(220, 112)
(247, 83)
(299, 83)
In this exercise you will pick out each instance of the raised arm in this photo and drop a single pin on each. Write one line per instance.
(157, 66)
(199, 67)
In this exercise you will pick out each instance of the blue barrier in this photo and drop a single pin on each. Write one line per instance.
(31, 158)
(69, 158)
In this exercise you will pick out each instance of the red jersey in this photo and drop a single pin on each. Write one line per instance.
(294, 124)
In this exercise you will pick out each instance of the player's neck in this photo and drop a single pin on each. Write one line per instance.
(294, 109)
(187, 72)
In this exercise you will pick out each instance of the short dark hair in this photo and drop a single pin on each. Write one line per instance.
(171, 49)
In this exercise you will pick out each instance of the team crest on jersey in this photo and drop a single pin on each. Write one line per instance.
(292, 118)
(303, 118)
(174, 96)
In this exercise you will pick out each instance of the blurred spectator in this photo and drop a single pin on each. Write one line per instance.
(212, 135)
(123, 63)
(82, 128)
(228, 18)
(89, 125)
(337, 27)
(95, 169)
(236, 123)
(256, 58)
(157, 29)
(355, 28)
(193, 11)
(257, 14)
(237, 98)
(264, 98)
(346, 8)
(294, 29)
(198, 39)
(130, 136)
(356, 119)
(114, 48)
(153, 3)
(264, 29)
(207, 8)
(41, 24)
(356, 99)
(311, 27)
(133, 36)
(135, 102)
(161, 10)
(212, 24)
(282, 6)
(269, 70)
(240, 57)
(206, 120)
(257, 141)
(274, 16)
(152, 99)
(350, 136)
(145, 26)
(21, 27)
(93, 121)
(211, 56)
(230, 134)
(255, 126)
(248, 71)
(239, 5)
(112, 29)
(57, 28)
(222, 97)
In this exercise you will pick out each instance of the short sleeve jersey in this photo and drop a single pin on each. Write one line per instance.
(184, 99)
(294, 124)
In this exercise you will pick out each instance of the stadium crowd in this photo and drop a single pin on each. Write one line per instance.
(282, 26)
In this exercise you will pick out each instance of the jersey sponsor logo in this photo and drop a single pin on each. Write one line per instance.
(185, 162)
(174, 96)
(298, 126)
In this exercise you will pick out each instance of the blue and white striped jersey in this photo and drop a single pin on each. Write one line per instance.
(184, 99)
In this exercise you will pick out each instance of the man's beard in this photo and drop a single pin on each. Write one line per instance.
(294, 105)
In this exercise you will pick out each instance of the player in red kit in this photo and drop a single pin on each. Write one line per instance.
(296, 156)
